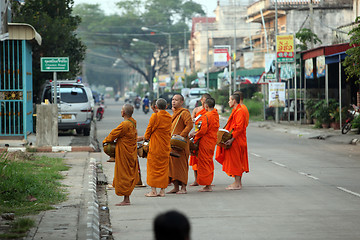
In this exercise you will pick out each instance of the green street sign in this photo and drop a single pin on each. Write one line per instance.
(54, 64)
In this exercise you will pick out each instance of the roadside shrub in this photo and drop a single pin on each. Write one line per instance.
(356, 123)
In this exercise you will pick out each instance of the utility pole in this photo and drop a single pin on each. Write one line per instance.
(234, 46)
(184, 70)
(311, 23)
(276, 65)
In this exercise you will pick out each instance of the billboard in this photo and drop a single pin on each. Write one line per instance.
(221, 57)
(277, 94)
(285, 48)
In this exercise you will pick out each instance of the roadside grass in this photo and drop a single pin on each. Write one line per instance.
(18, 228)
(255, 108)
(30, 184)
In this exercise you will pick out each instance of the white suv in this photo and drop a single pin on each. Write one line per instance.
(75, 105)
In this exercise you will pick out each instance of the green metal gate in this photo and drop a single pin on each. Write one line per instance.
(16, 88)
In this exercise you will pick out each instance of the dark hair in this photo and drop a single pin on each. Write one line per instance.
(236, 97)
(171, 225)
(210, 102)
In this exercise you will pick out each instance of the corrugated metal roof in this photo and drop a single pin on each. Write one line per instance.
(23, 31)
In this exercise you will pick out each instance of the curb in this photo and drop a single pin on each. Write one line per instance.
(49, 149)
(93, 219)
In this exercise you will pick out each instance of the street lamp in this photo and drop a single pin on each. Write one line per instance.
(166, 33)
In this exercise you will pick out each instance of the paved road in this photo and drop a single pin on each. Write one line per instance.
(296, 189)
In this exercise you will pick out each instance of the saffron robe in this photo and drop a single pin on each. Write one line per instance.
(193, 159)
(159, 133)
(126, 172)
(235, 159)
(179, 167)
(207, 136)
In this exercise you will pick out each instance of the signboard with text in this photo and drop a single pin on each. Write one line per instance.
(54, 64)
(221, 57)
(277, 94)
(285, 48)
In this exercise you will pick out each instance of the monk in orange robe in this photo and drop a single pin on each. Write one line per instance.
(235, 159)
(159, 133)
(196, 114)
(126, 173)
(207, 137)
(181, 126)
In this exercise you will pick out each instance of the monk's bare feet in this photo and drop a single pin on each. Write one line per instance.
(151, 194)
(182, 191)
(123, 203)
(206, 189)
(234, 187)
(194, 184)
(162, 193)
(173, 191)
(110, 187)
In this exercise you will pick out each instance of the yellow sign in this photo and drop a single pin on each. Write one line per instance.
(285, 48)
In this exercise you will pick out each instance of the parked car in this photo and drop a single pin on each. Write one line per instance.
(168, 97)
(75, 104)
(193, 96)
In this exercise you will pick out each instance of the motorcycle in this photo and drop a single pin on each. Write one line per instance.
(137, 102)
(351, 115)
(100, 112)
(146, 109)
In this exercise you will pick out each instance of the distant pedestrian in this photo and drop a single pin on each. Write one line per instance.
(126, 173)
(171, 225)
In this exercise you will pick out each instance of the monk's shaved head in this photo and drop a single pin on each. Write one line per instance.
(161, 104)
(210, 102)
(206, 95)
(128, 109)
(236, 97)
(240, 94)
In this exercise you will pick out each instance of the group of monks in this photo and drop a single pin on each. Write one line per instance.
(168, 164)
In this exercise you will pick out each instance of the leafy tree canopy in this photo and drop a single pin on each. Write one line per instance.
(54, 22)
(150, 53)
(304, 36)
(352, 61)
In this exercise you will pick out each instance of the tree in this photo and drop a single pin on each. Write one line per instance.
(305, 35)
(352, 60)
(53, 20)
(163, 16)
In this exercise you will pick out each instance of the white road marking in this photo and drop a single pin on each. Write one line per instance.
(308, 175)
(348, 191)
(279, 164)
(256, 155)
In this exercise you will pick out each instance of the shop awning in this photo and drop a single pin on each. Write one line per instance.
(334, 58)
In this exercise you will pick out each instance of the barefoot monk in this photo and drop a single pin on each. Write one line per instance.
(196, 114)
(235, 159)
(159, 133)
(181, 126)
(126, 174)
(207, 136)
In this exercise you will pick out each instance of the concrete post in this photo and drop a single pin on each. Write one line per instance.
(46, 125)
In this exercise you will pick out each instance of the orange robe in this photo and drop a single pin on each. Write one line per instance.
(235, 159)
(207, 136)
(126, 172)
(179, 167)
(193, 158)
(159, 133)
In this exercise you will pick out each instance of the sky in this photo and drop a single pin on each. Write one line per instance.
(109, 6)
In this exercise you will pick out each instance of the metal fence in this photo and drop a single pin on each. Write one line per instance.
(15, 88)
